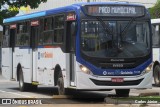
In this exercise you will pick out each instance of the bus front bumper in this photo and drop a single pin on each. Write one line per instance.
(89, 82)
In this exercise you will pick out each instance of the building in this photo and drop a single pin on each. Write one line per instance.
(59, 3)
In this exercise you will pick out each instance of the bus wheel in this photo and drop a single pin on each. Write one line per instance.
(156, 75)
(60, 84)
(122, 92)
(32, 87)
(22, 85)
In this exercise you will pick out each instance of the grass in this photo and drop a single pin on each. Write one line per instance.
(135, 100)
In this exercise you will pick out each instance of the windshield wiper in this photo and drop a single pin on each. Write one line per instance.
(105, 26)
(127, 27)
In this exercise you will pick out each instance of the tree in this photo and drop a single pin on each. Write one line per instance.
(155, 11)
(6, 12)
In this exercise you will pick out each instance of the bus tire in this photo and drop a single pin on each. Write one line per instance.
(122, 92)
(156, 75)
(60, 84)
(22, 85)
(32, 87)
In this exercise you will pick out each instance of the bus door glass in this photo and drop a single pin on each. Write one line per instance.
(7, 50)
(71, 35)
(33, 43)
(12, 45)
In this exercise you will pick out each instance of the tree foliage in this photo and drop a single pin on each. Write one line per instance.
(6, 12)
(155, 11)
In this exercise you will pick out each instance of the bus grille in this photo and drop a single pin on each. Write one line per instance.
(110, 83)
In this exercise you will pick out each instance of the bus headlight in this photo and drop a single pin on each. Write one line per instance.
(85, 69)
(148, 69)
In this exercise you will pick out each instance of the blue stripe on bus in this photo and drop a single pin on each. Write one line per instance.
(115, 72)
(40, 47)
(23, 17)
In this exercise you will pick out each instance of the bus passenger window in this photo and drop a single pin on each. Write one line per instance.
(5, 42)
(22, 36)
(48, 38)
(59, 29)
(156, 37)
(73, 35)
(48, 23)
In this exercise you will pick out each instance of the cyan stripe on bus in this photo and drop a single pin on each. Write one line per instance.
(23, 17)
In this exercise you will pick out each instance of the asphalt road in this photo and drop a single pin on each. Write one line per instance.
(48, 95)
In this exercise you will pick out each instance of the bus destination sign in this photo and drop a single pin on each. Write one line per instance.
(109, 10)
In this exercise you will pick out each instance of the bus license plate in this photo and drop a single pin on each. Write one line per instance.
(117, 80)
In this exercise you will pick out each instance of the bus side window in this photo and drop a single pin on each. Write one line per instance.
(59, 29)
(40, 37)
(5, 42)
(156, 36)
(48, 31)
(22, 35)
(70, 36)
(73, 35)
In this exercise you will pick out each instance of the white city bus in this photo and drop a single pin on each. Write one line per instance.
(85, 46)
(156, 50)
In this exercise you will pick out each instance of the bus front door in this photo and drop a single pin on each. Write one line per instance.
(7, 53)
(34, 43)
(71, 32)
(12, 45)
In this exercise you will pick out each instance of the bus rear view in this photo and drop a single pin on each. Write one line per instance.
(115, 48)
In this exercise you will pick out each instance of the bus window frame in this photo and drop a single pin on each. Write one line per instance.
(62, 42)
(27, 22)
(155, 24)
(43, 31)
(4, 36)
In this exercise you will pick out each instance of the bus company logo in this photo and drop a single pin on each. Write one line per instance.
(45, 55)
(117, 72)
(126, 72)
(108, 73)
(104, 72)
(117, 65)
(137, 72)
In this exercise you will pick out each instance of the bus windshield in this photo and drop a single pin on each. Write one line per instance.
(96, 42)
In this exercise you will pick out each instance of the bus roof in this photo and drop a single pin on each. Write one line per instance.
(61, 9)
(155, 20)
(110, 3)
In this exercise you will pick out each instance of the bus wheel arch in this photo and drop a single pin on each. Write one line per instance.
(22, 85)
(156, 73)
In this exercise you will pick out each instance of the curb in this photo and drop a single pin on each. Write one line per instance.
(149, 94)
(61, 96)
